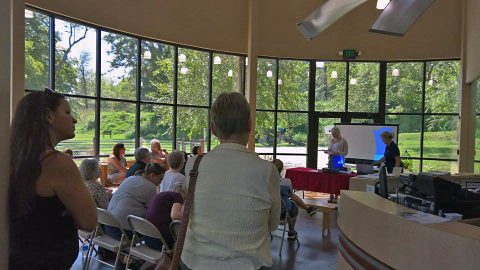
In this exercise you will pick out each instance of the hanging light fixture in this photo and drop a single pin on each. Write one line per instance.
(353, 81)
(382, 4)
(28, 14)
(147, 55)
(217, 60)
(320, 64)
(230, 73)
(184, 70)
(182, 58)
(334, 75)
(269, 74)
(246, 61)
(395, 72)
(280, 82)
(431, 82)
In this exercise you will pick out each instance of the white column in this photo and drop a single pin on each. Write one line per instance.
(251, 91)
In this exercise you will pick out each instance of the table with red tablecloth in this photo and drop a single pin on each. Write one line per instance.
(317, 181)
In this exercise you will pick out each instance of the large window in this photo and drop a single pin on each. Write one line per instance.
(363, 90)
(37, 50)
(330, 86)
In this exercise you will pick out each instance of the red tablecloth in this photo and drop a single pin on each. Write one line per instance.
(313, 180)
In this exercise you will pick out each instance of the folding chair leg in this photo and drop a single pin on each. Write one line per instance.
(117, 259)
(90, 251)
(283, 238)
(128, 256)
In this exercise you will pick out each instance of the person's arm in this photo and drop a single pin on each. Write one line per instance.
(274, 190)
(117, 164)
(379, 161)
(66, 181)
(344, 148)
(176, 212)
(398, 161)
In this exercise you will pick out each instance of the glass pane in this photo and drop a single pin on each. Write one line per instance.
(477, 140)
(156, 122)
(293, 85)
(226, 74)
(364, 87)
(157, 72)
(264, 132)
(192, 77)
(119, 66)
(442, 87)
(292, 162)
(324, 138)
(409, 133)
(117, 125)
(439, 165)
(440, 137)
(192, 127)
(330, 86)
(37, 50)
(75, 58)
(84, 111)
(411, 165)
(292, 133)
(404, 87)
(266, 70)
(477, 167)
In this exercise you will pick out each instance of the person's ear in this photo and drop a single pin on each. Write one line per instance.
(49, 117)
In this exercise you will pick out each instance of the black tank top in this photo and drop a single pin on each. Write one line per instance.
(45, 238)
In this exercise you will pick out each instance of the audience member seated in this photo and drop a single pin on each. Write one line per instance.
(133, 197)
(158, 154)
(47, 199)
(163, 209)
(142, 157)
(117, 165)
(291, 200)
(197, 150)
(237, 197)
(69, 152)
(174, 180)
(90, 171)
(185, 156)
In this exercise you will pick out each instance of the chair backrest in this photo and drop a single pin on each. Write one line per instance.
(105, 218)
(144, 227)
(175, 228)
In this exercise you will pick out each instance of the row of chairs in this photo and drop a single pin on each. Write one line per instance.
(125, 247)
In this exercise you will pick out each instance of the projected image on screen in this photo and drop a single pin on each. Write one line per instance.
(365, 141)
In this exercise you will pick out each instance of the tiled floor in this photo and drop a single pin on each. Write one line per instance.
(315, 252)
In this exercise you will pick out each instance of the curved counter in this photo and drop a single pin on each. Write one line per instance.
(374, 236)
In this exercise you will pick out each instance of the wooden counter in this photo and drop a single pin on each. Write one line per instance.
(360, 183)
(373, 236)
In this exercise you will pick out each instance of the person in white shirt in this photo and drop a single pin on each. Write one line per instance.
(174, 180)
(338, 147)
(237, 197)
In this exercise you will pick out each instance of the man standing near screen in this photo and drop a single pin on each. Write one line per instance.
(391, 157)
(338, 147)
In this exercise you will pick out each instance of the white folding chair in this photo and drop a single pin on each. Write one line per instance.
(107, 242)
(175, 229)
(284, 222)
(85, 238)
(138, 249)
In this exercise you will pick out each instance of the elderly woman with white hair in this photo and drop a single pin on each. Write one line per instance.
(338, 147)
(90, 171)
(157, 154)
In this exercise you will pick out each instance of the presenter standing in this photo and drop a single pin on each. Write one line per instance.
(338, 147)
(391, 157)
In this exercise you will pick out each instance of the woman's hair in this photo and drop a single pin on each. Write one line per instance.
(278, 164)
(176, 159)
(29, 139)
(230, 114)
(154, 168)
(116, 149)
(335, 130)
(195, 150)
(388, 135)
(89, 169)
(153, 142)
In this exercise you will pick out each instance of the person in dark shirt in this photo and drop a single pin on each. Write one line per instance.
(391, 157)
(163, 209)
(142, 157)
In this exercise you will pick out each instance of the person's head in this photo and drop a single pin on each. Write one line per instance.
(40, 122)
(155, 145)
(154, 172)
(278, 164)
(142, 154)
(335, 131)
(196, 150)
(89, 169)
(176, 160)
(230, 118)
(119, 150)
(387, 137)
(69, 152)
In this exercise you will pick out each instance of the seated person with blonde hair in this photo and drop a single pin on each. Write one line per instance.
(174, 179)
(157, 154)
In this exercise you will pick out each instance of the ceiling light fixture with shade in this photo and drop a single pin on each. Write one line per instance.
(353, 81)
(334, 75)
(269, 74)
(382, 4)
(182, 58)
(280, 82)
(320, 64)
(246, 61)
(28, 14)
(395, 72)
(147, 55)
(230, 73)
(184, 70)
(217, 60)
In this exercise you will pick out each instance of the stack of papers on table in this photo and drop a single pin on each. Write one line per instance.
(421, 217)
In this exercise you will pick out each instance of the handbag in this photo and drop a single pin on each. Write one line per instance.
(170, 260)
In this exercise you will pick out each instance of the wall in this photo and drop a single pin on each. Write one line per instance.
(223, 25)
(472, 40)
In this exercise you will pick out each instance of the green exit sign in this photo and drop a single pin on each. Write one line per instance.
(350, 54)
